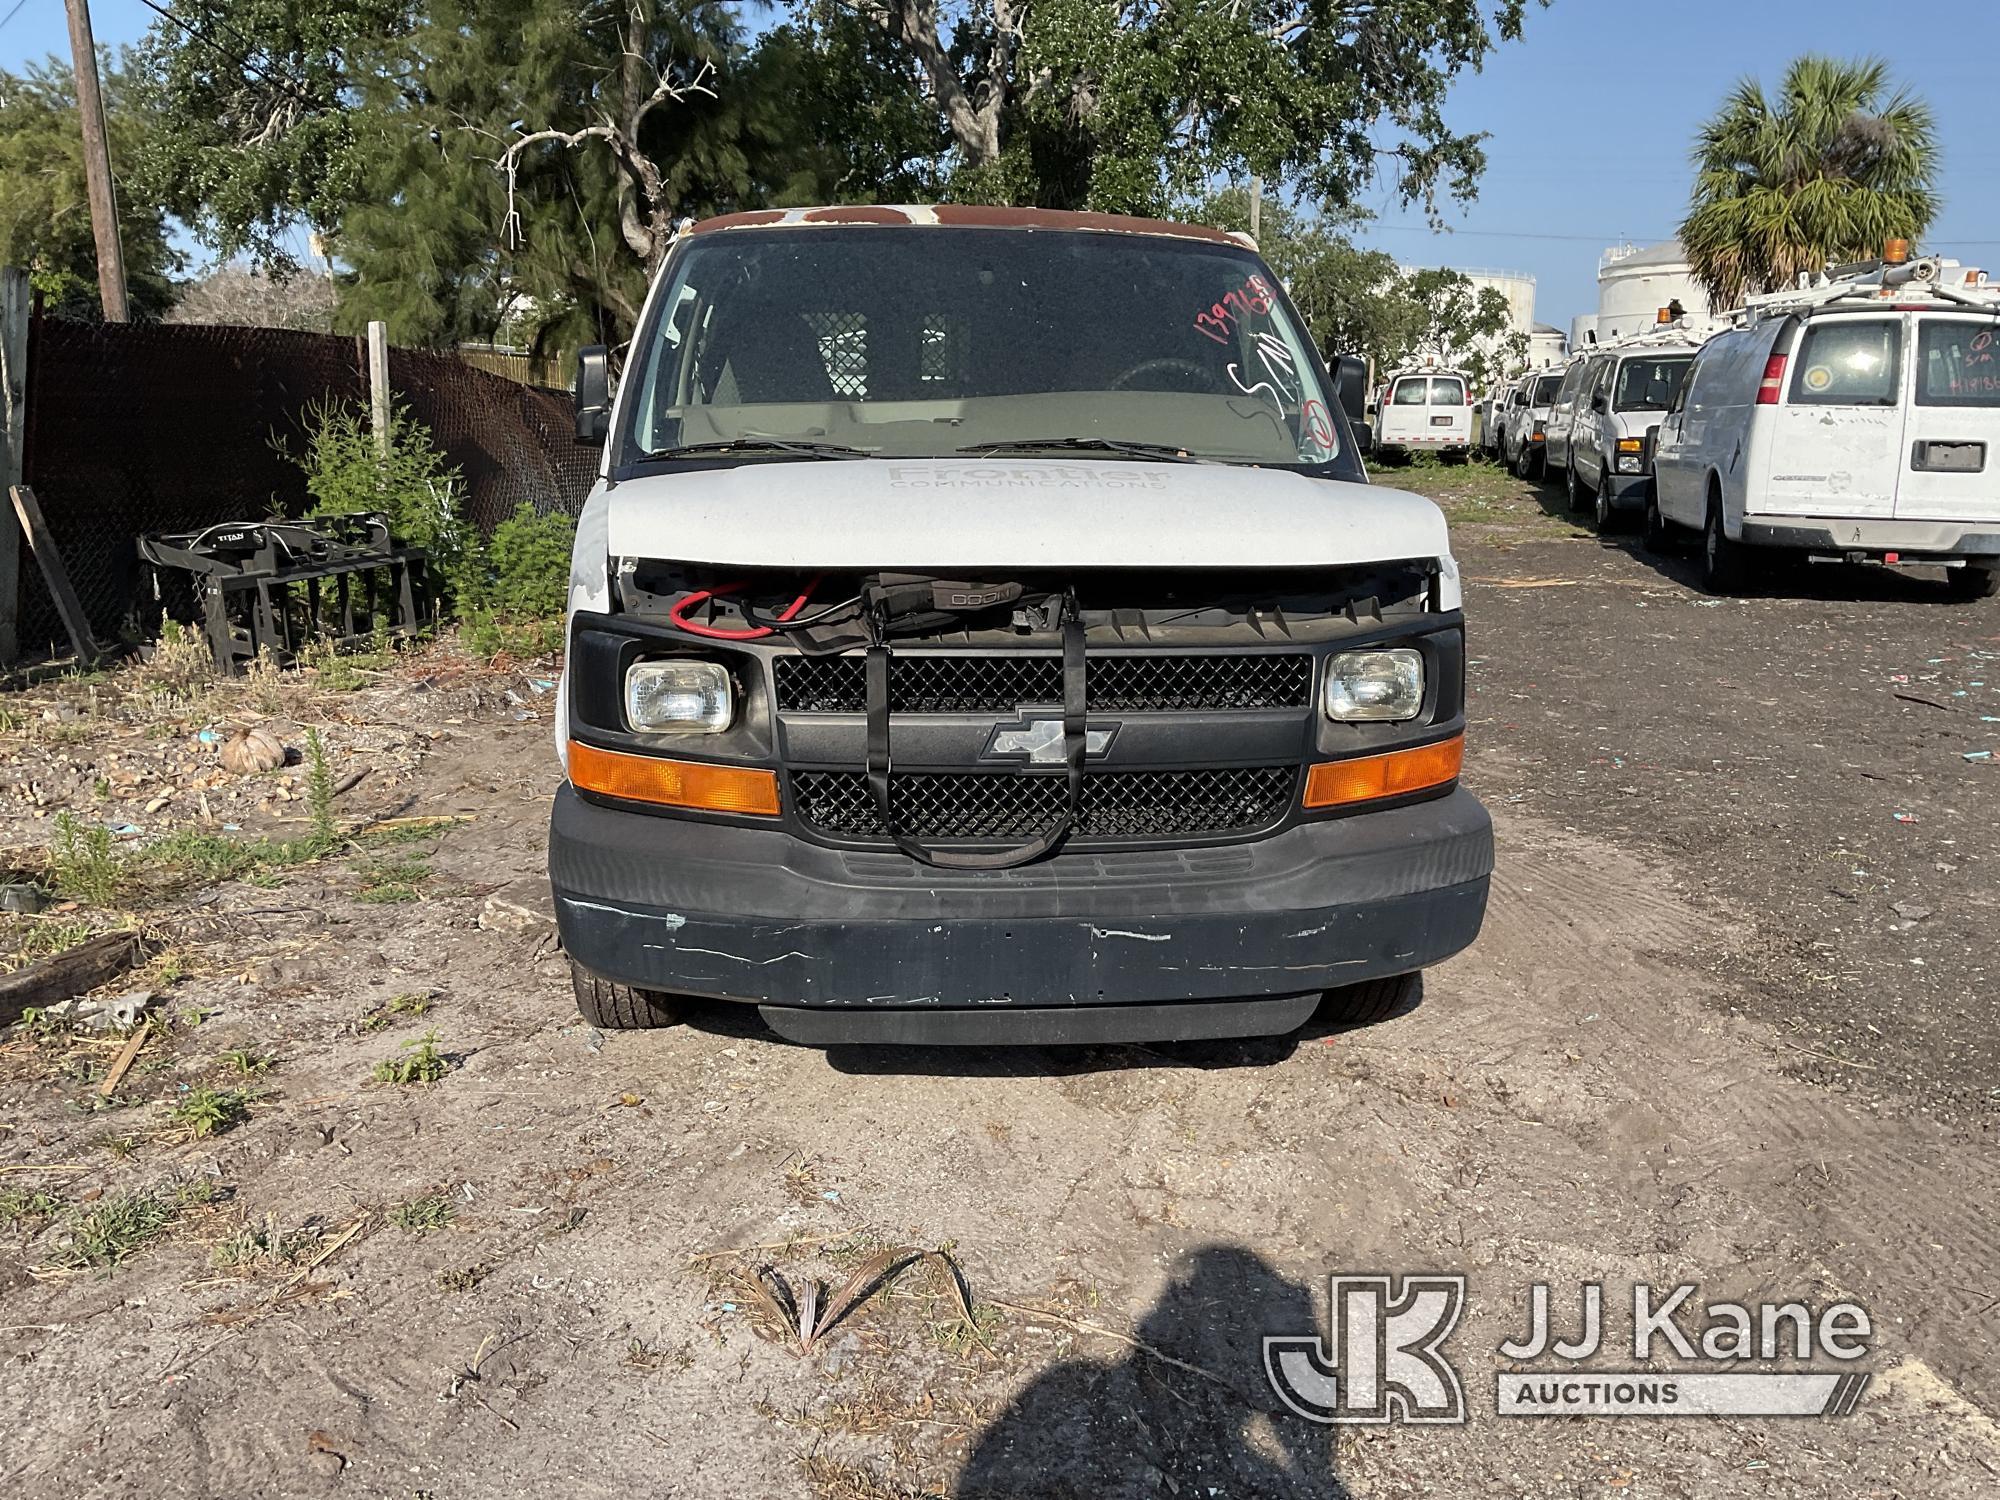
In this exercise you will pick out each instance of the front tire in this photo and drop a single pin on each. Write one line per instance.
(610, 1006)
(1608, 519)
(1659, 536)
(1370, 1001)
(1723, 569)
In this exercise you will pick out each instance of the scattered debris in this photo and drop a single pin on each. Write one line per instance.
(804, 1317)
(251, 752)
(52, 981)
(23, 896)
(523, 909)
(126, 1057)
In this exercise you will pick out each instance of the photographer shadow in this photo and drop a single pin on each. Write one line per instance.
(1145, 1426)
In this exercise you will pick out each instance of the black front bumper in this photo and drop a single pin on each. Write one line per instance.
(1627, 491)
(751, 914)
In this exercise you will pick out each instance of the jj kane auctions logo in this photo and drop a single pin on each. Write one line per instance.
(1383, 1360)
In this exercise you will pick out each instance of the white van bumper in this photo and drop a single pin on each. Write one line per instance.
(1918, 540)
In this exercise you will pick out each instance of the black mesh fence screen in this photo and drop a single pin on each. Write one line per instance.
(169, 427)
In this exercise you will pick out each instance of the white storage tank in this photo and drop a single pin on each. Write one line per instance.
(1634, 283)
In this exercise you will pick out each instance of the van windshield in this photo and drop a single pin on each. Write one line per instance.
(1650, 384)
(931, 341)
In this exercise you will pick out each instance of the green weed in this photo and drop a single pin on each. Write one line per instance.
(82, 863)
(247, 1062)
(44, 937)
(386, 882)
(422, 1215)
(116, 1227)
(416, 1061)
(206, 1111)
(19, 1205)
(412, 1003)
(319, 793)
(255, 1245)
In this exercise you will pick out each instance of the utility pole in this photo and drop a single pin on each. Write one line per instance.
(1256, 205)
(97, 164)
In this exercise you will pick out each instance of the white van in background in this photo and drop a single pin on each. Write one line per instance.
(1525, 433)
(1608, 452)
(1428, 411)
(1853, 420)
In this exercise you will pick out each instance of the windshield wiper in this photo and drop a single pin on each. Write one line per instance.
(1130, 449)
(748, 444)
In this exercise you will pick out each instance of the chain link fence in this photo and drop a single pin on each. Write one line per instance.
(162, 427)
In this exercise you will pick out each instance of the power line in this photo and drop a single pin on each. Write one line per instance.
(13, 13)
(1947, 242)
(1509, 234)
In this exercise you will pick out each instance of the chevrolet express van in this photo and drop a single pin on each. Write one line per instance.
(983, 630)
(1425, 411)
(1854, 420)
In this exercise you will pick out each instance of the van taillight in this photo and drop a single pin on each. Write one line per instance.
(1773, 381)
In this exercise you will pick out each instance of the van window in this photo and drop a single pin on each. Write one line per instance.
(1545, 390)
(1650, 383)
(1845, 361)
(1572, 378)
(1409, 392)
(1958, 363)
(1447, 390)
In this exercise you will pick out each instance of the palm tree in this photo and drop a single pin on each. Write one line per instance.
(1825, 172)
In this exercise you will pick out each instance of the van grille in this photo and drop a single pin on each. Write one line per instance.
(1016, 805)
(1155, 682)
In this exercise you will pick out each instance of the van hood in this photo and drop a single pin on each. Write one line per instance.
(929, 514)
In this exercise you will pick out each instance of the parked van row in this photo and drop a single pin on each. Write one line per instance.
(1853, 418)
(1605, 418)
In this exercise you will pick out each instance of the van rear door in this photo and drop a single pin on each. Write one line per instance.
(1450, 410)
(1836, 438)
(1951, 443)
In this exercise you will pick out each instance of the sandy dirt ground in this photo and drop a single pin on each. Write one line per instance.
(1729, 1023)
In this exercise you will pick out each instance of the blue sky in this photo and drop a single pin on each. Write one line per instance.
(1591, 117)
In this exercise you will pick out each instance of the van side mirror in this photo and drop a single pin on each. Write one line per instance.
(593, 393)
(1598, 403)
(1350, 386)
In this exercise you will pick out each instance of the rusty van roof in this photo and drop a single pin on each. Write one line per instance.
(964, 215)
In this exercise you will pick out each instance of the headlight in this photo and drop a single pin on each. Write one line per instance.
(1366, 685)
(679, 697)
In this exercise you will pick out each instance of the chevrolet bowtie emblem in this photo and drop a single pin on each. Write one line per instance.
(1040, 742)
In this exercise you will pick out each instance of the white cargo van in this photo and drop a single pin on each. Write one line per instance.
(1856, 419)
(1428, 411)
(1608, 455)
(1525, 432)
(948, 666)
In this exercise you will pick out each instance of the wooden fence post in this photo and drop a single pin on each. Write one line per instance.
(14, 304)
(378, 385)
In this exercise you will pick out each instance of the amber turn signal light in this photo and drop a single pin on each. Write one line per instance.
(1335, 783)
(673, 783)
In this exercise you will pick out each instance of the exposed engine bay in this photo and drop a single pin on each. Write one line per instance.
(835, 611)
